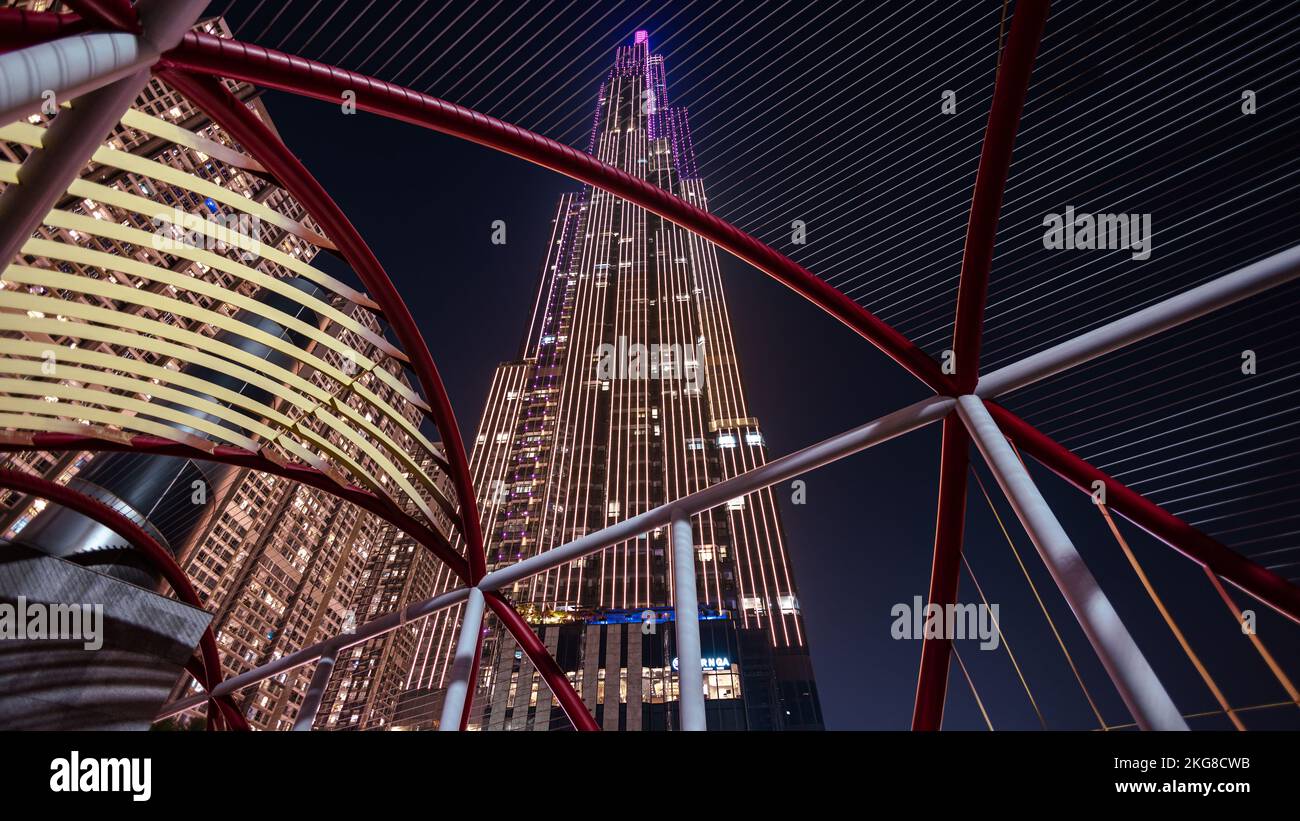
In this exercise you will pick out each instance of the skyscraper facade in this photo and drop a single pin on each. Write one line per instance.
(628, 394)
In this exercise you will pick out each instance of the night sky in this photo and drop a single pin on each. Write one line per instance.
(830, 113)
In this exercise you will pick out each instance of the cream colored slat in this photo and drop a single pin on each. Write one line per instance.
(128, 265)
(341, 456)
(33, 135)
(320, 464)
(378, 458)
(342, 408)
(90, 376)
(115, 336)
(198, 342)
(35, 415)
(192, 222)
(83, 397)
(125, 233)
(182, 136)
(26, 275)
(28, 424)
(122, 338)
(403, 391)
(402, 421)
(55, 279)
(144, 370)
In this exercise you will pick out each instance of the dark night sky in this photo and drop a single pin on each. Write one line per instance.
(425, 203)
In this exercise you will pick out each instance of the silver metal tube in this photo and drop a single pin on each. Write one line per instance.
(320, 678)
(837, 447)
(462, 666)
(67, 68)
(1260, 276)
(1138, 686)
(368, 631)
(690, 675)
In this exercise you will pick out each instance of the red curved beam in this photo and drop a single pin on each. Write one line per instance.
(990, 181)
(113, 14)
(20, 29)
(945, 572)
(555, 678)
(1010, 87)
(381, 506)
(266, 147)
(135, 535)
(218, 57)
(1213, 555)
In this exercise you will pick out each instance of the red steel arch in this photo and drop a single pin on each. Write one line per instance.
(381, 506)
(209, 55)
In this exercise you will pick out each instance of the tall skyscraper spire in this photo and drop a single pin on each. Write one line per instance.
(627, 395)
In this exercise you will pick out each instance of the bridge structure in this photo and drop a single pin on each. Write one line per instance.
(100, 56)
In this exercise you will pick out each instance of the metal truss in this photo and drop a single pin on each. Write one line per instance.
(963, 400)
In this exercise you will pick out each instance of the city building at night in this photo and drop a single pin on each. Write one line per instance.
(628, 394)
(235, 493)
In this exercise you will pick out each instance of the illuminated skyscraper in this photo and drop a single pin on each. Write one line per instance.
(627, 394)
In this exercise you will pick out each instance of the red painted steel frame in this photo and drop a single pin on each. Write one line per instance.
(1010, 87)
(266, 147)
(1263, 584)
(113, 14)
(381, 506)
(950, 522)
(219, 57)
(132, 533)
(20, 29)
(1009, 91)
(559, 683)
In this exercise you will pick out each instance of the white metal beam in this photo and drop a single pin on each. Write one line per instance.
(1151, 320)
(686, 618)
(462, 666)
(320, 678)
(1138, 686)
(837, 447)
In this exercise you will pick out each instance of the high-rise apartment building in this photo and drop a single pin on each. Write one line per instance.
(627, 395)
(278, 564)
